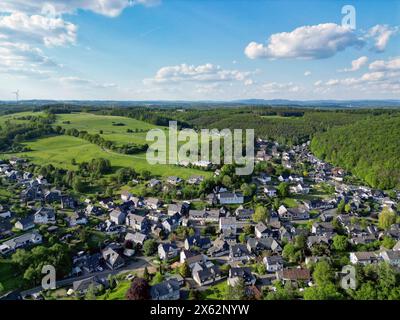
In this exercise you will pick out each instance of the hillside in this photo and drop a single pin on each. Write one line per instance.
(369, 148)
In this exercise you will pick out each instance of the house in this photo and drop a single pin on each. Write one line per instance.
(153, 203)
(262, 231)
(136, 238)
(364, 257)
(363, 239)
(195, 180)
(107, 203)
(397, 246)
(126, 196)
(203, 216)
(391, 256)
(227, 224)
(68, 202)
(166, 290)
(220, 247)
(44, 215)
(174, 180)
(20, 242)
(257, 246)
(239, 252)
(137, 222)
(167, 251)
(25, 223)
(92, 263)
(264, 178)
(206, 274)
(244, 273)
(80, 287)
(171, 223)
(52, 196)
(284, 177)
(117, 216)
(299, 189)
(243, 214)
(30, 194)
(77, 218)
(4, 213)
(191, 258)
(317, 240)
(294, 275)
(154, 183)
(93, 210)
(230, 198)
(196, 241)
(321, 228)
(273, 263)
(270, 191)
(299, 213)
(173, 208)
(112, 258)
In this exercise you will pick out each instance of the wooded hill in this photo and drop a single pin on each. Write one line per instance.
(369, 148)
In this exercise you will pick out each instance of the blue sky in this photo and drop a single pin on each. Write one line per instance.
(198, 50)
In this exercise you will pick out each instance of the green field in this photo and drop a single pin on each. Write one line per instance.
(94, 123)
(60, 150)
(14, 117)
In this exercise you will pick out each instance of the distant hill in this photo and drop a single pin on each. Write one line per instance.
(210, 103)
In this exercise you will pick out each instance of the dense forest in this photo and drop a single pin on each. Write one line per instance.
(369, 148)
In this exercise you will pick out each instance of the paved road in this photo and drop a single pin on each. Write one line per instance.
(136, 265)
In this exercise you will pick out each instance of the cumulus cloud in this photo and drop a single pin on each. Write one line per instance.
(24, 60)
(20, 27)
(376, 81)
(389, 65)
(110, 8)
(306, 42)
(307, 73)
(201, 73)
(356, 64)
(381, 35)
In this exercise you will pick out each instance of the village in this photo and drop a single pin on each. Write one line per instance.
(310, 212)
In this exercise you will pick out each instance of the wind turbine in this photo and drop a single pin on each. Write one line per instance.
(16, 95)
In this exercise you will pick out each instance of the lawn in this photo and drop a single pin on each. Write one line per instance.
(117, 293)
(9, 278)
(290, 203)
(216, 292)
(60, 150)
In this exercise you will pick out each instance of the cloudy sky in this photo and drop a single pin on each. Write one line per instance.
(198, 49)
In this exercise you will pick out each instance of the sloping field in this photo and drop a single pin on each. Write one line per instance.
(114, 128)
(60, 150)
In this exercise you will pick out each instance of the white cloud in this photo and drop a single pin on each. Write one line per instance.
(23, 59)
(356, 64)
(382, 65)
(275, 87)
(110, 8)
(85, 83)
(381, 35)
(306, 42)
(19, 27)
(371, 82)
(201, 73)
(307, 73)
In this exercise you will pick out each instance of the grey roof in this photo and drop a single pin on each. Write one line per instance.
(164, 288)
